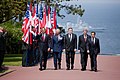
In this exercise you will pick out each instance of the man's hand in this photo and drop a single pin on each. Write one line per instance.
(51, 50)
(78, 50)
(63, 50)
(88, 51)
(48, 49)
(75, 50)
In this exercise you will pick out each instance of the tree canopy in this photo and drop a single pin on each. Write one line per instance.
(10, 9)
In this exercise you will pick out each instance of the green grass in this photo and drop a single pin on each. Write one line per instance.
(13, 60)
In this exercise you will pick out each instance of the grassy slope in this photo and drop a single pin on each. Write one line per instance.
(13, 60)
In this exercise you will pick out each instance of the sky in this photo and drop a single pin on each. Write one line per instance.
(95, 1)
(100, 1)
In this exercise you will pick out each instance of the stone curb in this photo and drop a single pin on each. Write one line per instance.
(7, 72)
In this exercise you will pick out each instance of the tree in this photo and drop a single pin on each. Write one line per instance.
(10, 9)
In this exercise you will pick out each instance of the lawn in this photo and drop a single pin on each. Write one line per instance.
(13, 60)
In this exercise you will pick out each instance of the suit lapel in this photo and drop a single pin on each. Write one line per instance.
(83, 38)
(68, 39)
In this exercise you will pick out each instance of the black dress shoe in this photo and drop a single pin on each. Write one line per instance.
(55, 68)
(92, 70)
(40, 69)
(83, 69)
(68, 69)
(96, 70)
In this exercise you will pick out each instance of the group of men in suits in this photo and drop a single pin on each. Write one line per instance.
(88, 45)
(57, 44)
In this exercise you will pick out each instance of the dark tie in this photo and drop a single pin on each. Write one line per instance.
(57, 37)
(93, 40)
(70, 37)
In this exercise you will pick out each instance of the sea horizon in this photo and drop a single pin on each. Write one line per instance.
(100, 15)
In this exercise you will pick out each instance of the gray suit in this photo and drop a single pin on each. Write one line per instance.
(83, 47)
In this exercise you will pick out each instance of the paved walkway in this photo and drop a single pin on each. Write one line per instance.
(108, 69)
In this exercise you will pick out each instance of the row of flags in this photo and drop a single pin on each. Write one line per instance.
(37, 17)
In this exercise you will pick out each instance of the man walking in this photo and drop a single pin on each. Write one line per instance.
(94, 48)
(44, 42)
(57, 47)
(83, 48)
(70, 47)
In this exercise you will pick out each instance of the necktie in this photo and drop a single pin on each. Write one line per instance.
(85, 38)
(70, 37)
(93, 41)
(43, 37)
(57, 37)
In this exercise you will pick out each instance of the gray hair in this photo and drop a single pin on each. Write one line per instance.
(85, 28)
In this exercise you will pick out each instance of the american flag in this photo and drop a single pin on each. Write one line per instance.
(40, 18)
(53, 19)
(44, 16)
(48, 23)
(26, 25)
(35, 19)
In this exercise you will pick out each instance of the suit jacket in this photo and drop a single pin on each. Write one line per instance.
(70, 45)
(57, 44)
(43, 45)
(82, 44)
(2, 41)
(94, 47)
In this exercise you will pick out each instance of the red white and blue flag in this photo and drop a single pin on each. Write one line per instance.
(26, 25)
(37, 18)
(40, 18)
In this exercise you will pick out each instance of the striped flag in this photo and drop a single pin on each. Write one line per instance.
(48, 25)
(53, 19)
(26, 25)
(44, 16)
(35, 20)
(40, 18)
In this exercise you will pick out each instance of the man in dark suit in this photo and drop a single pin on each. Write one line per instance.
(94, 48)
(44, 41)
(2, 46)
(57, 47)
(83, 48)
(70, 46)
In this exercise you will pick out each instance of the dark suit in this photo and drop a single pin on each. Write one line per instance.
(94, 48)
(2, 47)
(43, 48)
(69, 46)
(57, 46)
(83, 47)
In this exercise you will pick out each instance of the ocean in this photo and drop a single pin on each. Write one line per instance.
(100, 15)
